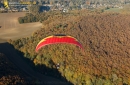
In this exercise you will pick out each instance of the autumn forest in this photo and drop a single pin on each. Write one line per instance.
(105, 39)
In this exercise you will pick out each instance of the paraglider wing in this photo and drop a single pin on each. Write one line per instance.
(57, 39)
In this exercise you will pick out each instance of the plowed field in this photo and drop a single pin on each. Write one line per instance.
(11, 29)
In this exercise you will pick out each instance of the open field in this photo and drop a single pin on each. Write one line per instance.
(11, 29)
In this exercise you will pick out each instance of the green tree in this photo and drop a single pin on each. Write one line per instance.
(21, 20)
(34, 9)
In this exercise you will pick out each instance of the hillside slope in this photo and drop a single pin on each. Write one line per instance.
(105, 38)
(10, 74)
(20, 65)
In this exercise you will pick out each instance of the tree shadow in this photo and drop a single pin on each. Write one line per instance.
(41, 69)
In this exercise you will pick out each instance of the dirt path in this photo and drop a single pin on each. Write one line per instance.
(9, 51)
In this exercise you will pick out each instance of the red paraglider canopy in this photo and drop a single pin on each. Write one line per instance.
(57, 39)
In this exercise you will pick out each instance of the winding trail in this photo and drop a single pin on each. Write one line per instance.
(11, 54)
